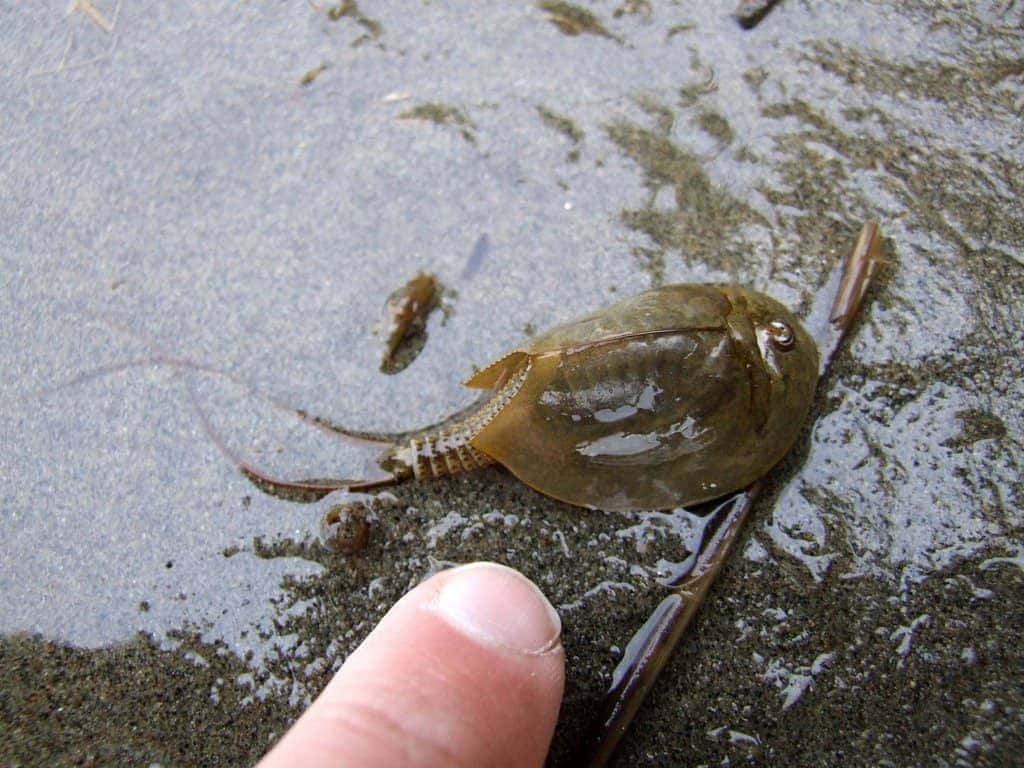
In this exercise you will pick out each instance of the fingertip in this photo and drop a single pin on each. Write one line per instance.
(466, 669)
(499, 606)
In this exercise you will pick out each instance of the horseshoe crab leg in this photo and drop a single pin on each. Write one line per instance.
(652, 645)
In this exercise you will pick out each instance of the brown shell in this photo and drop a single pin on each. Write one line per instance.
(669, 398)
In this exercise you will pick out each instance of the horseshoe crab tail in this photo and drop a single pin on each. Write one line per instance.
(310, 489)
(435, 454)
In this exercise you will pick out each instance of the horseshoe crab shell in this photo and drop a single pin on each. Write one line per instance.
(672, 397)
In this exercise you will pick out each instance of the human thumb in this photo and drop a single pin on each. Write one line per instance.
(467, 669)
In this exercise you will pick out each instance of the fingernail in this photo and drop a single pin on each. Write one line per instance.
(499, 606)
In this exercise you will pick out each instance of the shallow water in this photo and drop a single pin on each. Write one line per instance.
(172, 195)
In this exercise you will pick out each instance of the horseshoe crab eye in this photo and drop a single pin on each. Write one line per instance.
(781, 334)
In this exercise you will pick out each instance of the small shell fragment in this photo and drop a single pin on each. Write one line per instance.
(345, 528)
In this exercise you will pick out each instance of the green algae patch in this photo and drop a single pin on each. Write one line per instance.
(575, 20)
(705, 81)
(678, 29)
(440, 113)
(953, 83)
(350, 9)
(564, 125)
(664, 117)
(633, 8)
(703, 222)
(715, 125)
(976, 425)
(944, 191)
